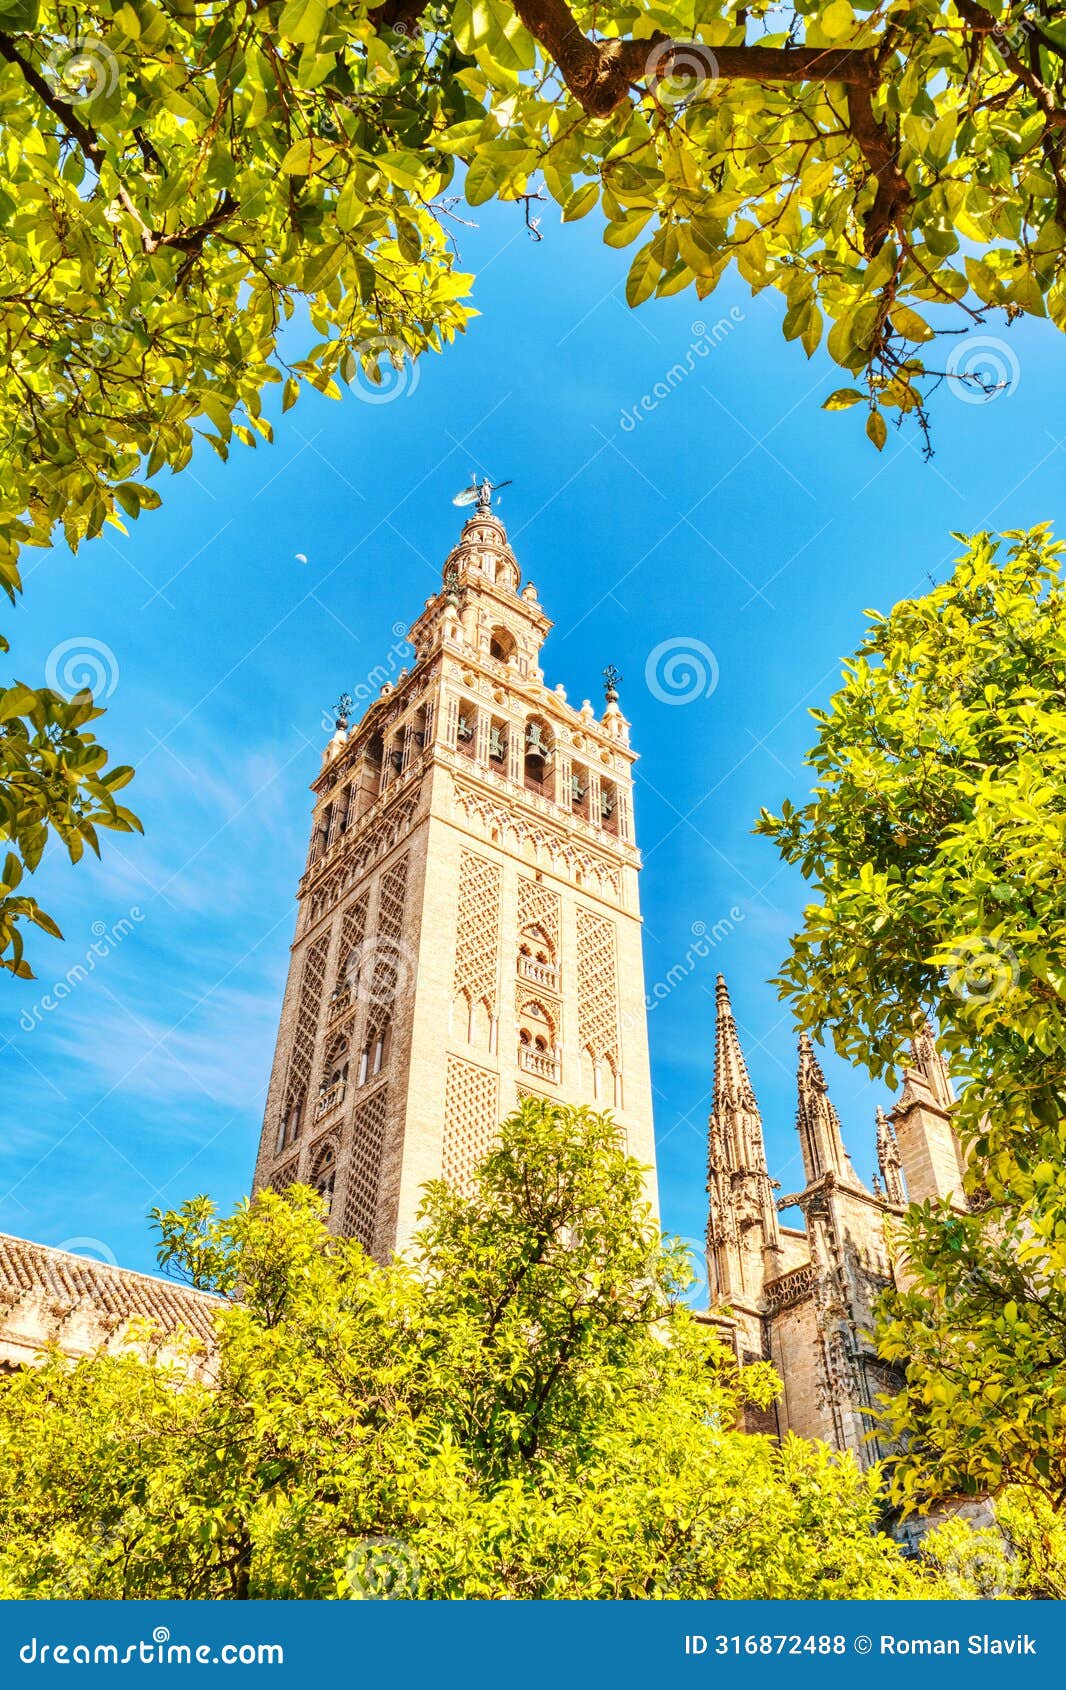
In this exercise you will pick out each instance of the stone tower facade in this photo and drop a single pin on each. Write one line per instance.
(469, 929)
(803, 1297)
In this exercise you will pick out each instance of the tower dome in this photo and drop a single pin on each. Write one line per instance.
(484, 553)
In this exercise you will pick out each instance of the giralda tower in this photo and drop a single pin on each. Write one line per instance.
(469, 927)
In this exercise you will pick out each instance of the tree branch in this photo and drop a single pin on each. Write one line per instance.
(189, 241)
(601, 75)
(880, 152)
(983, 24)
(68, 117)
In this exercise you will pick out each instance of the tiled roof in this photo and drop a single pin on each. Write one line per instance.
(33, 1274)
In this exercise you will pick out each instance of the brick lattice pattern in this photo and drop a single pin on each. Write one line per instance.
(389, 952)
(353, 935)
(364, 1167)
(471, 1120)
(303, 1043)
(477, 944)
(539, 906)
(597, 986)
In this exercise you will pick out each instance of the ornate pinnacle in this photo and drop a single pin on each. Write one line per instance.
(451, 585)
(342, 709)
(821, 1136)
(612, 679)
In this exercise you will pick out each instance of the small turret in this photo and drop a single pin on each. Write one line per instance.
(929, 1151)
(888, 1160)
(929, 1061)
(818, 1124)
(743, 1241)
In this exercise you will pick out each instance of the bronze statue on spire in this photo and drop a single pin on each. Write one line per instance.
(479, 493)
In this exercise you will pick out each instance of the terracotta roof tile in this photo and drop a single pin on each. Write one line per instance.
(74, 1282)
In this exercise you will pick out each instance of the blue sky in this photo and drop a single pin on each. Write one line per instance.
(735, 516)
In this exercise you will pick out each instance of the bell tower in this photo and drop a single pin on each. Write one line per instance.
(469, 928)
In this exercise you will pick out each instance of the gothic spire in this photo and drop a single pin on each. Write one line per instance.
(732, 1083)
(888, 1160)
(928, 1061)
(742, 1221)
(818, 1124)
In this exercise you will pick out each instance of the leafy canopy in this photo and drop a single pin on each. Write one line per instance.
(202, 201)
(524, 1408)
(178, 177)
(53, 779)
(935, 841)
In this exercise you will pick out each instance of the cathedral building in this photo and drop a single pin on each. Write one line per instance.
(803, 1297)
(468, 934)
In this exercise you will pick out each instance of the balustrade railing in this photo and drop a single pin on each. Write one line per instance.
(330, 1099)
(539, 1062)
(541, 973)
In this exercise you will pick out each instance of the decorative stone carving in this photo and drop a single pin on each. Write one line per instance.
(471, 1119)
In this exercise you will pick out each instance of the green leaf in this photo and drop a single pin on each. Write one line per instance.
(303, 20)
(307, 156)
(644, 273)
(843, 398)
(491, 27)
(837, 20)
(908, 323)
(581, 202)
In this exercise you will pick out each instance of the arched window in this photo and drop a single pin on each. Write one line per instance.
(579, 791)
(589, 1074)
(498, 743)
(539, 749)
(324, 1172)
(610, 1083)
(374, 1053)
(291, 1119)
(394, 758)
(320, 839)
(536, 957)
(418, 730)
(507, 575)
(334, 1077)
(466, 729)
(502, 645)
(367, 782)
(609, 815)
(344, 805)
(536, 1041)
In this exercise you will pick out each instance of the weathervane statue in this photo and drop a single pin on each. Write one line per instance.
(479, 493)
